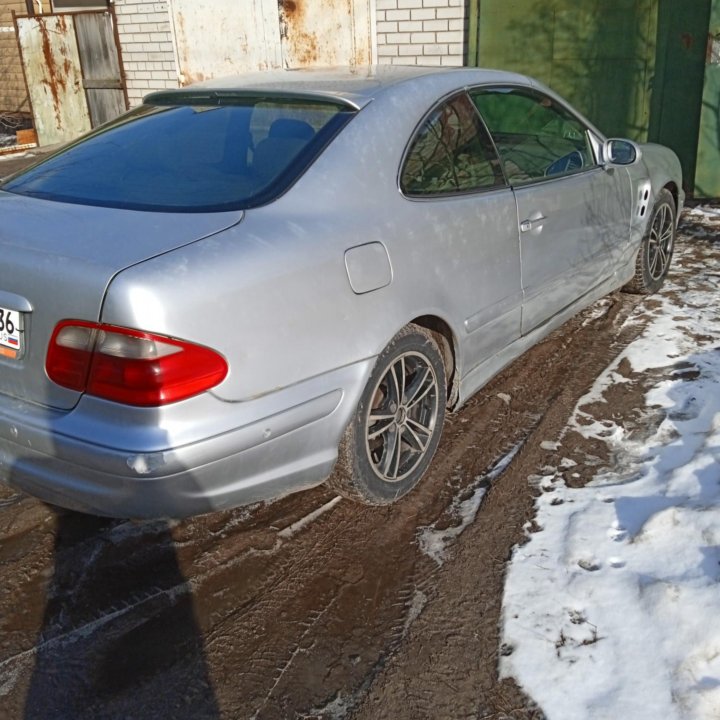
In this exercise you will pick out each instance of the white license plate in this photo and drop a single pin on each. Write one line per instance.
(10, 332)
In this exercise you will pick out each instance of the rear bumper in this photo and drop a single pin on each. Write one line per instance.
(197, 456)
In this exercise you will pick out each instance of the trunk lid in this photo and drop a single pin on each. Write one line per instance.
(56, 261)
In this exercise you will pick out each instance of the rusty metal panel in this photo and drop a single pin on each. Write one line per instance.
(265, 34)
(222, 37)
(102, 79)
(325, 32)
(52, 68)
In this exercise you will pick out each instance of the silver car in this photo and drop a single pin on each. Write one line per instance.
(246, 287)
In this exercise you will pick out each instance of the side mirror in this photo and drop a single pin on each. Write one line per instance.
(620, 152)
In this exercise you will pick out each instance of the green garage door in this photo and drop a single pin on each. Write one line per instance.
(634, 67)
(677, 99)
(707, 177)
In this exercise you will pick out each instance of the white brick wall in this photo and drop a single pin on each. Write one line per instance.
(147, 47)
(421, 32)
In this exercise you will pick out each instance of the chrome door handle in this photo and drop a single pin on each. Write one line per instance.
(528, 225)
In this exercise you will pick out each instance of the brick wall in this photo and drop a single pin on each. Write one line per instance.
(13, 95)
(421, 32)
(147, 47)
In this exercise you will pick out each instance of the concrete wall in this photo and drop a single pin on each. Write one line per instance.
(13, 95)
(146, 42)
(421, 32)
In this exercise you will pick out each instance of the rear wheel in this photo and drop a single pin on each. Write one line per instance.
(396, 428)
(653, 260)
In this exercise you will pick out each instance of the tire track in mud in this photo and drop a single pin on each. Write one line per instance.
(311, 567)
(447, 665)
(274, 612)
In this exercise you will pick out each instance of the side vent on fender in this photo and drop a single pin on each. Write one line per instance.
(643, 199)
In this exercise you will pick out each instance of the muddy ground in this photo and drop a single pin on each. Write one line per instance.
(310, 606)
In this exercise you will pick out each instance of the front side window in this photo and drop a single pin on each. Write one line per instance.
(451, 153)
(536, 137)
(193, 154)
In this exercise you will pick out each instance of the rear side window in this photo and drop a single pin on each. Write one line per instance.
(451, 153)
(237, 153)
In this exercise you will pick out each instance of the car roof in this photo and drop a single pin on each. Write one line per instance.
(353, 85)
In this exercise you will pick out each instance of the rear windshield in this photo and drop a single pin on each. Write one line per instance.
(204, 156)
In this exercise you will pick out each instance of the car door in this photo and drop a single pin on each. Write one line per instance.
(572, 213)
(453, 174)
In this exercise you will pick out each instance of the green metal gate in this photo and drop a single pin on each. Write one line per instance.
(678, 89)
(634, 67)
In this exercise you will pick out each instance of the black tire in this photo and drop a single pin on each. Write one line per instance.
(653, 260)
(395, 431)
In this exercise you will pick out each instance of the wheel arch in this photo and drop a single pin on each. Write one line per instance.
(673, 189)
(447, 342)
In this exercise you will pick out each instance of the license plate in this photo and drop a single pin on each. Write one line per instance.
(10, 332)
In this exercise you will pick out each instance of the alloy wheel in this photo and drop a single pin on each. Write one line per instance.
(402, 417)
(660, 242)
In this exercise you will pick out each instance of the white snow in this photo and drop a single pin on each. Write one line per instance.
(612, 609)
(434, 542)
(303, 522)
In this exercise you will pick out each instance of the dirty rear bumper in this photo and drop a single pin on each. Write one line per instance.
(197, 456)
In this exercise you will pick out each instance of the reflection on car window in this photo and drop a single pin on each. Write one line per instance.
(191, 155)
(535, 136)
(451, 153)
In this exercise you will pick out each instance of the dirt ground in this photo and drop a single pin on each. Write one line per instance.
(310, 606)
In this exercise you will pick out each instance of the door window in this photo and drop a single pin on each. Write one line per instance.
(536, 137)
(451, 153)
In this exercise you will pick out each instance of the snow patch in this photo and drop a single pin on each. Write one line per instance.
(298, 525)
(435, 542)
(417, 605)
(610, 610)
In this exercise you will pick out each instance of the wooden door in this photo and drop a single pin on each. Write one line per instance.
(100, 64)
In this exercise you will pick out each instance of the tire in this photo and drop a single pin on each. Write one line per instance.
(389, 443)
(653, 259)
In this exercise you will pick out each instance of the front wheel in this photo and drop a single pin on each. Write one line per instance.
(656, 249)
(395, 431)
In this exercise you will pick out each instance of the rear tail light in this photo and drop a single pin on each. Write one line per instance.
(130, 366)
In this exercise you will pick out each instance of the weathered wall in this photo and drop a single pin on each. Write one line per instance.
(244, 37)
(325, 32)
(421, 32)
(52, 67)
(13, 95)
(146, 43)
(707, 177)
(265, 34)
(170, 42)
